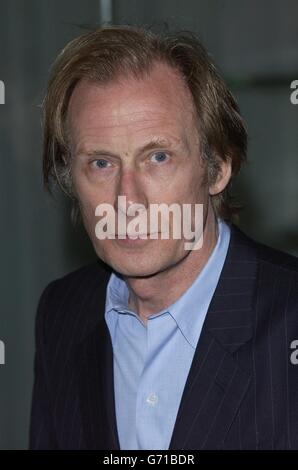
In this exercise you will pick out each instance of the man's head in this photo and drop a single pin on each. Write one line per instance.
(145, 116)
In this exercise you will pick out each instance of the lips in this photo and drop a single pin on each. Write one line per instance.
(141, 236)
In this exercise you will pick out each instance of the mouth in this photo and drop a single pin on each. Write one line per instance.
(135, 237)
(134, 240)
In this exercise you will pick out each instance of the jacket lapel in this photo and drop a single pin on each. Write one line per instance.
(216, 384)
(97, 391)
(95, 378)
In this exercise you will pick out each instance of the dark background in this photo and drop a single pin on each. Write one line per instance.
(255, 44)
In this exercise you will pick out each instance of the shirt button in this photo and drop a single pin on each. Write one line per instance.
(152, 399)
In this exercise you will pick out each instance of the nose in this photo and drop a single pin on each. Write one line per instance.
(131, 187)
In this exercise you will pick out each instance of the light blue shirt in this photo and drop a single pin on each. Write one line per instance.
(152, 362)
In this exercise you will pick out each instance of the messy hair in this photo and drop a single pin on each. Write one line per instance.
(110, 52)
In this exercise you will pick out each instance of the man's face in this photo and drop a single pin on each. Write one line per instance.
(139, 139)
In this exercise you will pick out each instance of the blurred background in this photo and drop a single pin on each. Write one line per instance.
(254, 43)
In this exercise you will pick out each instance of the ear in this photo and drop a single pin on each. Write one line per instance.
(223, 177)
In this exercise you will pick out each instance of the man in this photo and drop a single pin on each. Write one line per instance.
(156, 346)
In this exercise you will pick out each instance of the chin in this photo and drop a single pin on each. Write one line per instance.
(144, 261)
(129, 267)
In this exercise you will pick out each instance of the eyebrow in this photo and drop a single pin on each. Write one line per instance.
(153, 144)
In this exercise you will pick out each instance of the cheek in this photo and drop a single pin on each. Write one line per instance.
(196, 186)
(90, 196)
(83, 184)
(88, 203)
(190, 190)
(189, 183)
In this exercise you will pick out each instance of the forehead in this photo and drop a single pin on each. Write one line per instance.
(160, 98)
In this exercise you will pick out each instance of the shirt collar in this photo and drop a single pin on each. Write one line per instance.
(190, 309)
(117, 294)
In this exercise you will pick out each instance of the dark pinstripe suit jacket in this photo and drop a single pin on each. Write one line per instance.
(242, 389)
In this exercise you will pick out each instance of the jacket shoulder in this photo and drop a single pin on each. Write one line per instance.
(95, 270)
(277, 271)
(71, 302)
(277, 258)
(264, 253)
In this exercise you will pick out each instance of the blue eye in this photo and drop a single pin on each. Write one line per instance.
(160, 157)
(101, 163)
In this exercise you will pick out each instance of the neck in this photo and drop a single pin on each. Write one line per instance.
(150, 295)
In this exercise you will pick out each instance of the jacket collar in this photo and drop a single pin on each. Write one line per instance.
(217, 384)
